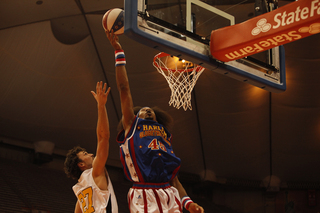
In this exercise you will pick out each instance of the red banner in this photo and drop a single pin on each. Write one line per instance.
(286, 24)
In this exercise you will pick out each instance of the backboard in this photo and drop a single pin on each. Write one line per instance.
(182, 28)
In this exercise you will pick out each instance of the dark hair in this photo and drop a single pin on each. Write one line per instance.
(71, 167)
(163, 117)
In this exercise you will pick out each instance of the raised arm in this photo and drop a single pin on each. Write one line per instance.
(192, 207)
(122, 83)
(103, 132)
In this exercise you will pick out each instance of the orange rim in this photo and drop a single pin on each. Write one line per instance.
(162, 54)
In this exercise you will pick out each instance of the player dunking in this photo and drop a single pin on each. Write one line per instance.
(146, 152)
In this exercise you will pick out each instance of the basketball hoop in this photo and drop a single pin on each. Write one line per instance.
(181, 77)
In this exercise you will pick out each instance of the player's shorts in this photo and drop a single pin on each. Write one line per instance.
(154, 198)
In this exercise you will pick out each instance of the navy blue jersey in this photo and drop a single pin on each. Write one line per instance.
(146, 153)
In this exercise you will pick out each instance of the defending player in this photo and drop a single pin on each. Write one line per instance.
(146, 152)
(94, 190)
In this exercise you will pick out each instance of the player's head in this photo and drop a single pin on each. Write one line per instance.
(147, 113)
(161, 117)
(77, 160)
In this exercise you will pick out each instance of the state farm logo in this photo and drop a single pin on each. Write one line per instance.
(262, 26)
(285, 18)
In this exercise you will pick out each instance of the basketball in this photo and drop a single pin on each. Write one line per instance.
(113, 19)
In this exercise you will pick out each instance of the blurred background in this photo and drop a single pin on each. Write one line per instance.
(243, 149)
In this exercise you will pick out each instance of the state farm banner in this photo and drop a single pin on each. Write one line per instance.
(286, 24)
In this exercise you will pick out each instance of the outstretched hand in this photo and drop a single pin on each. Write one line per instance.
(195, 208)
(114, 40)
(101, 94)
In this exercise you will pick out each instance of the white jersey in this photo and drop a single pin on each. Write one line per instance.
(90, 197)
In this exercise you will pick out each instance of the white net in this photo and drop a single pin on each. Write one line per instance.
(181, 76)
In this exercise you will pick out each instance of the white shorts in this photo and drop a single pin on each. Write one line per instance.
(154, 198)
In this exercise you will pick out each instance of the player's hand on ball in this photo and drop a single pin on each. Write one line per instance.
(114, 40)
(195, 208)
